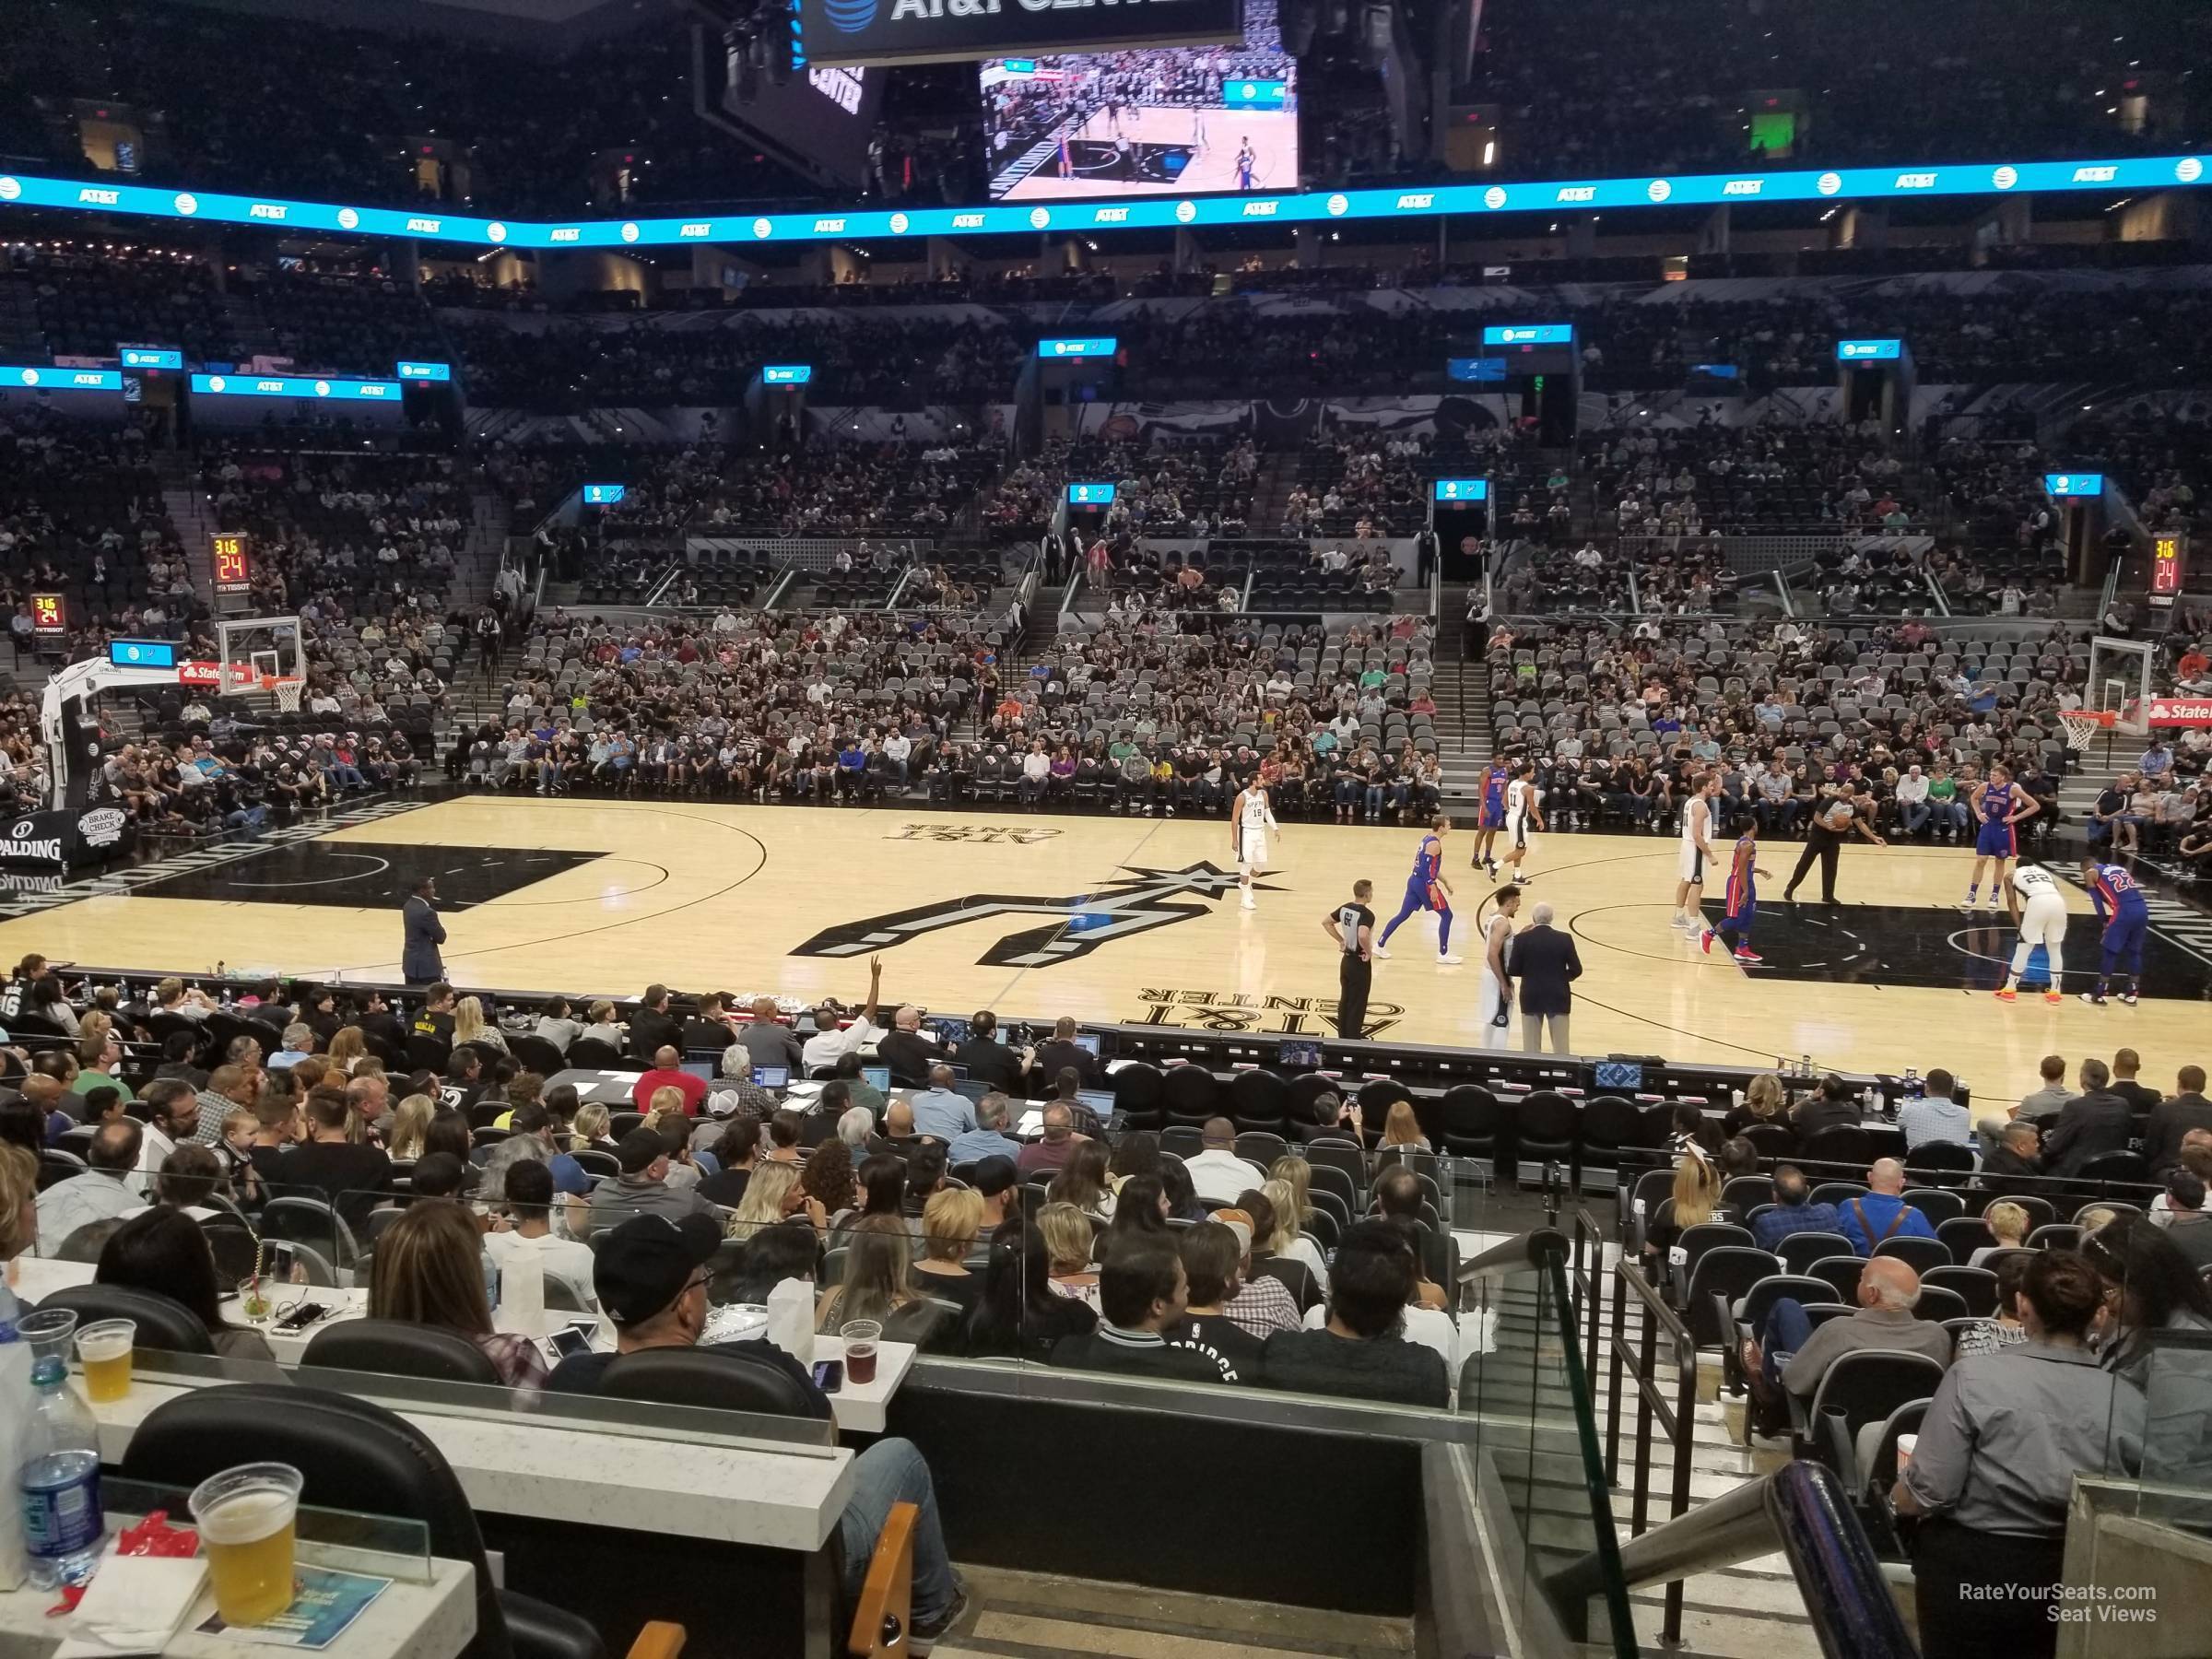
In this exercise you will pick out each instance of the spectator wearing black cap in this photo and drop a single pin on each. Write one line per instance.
(1142, 1294)
(995, 1182)
(651, 1276)
(642, 1187)
(1361, 1351)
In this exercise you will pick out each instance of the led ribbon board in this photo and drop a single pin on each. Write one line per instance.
(1611, 195)
(149, 357)
(1095, 346)
(425, 371)
(786, 374)
(605, 495)
(44, 376)
(1462, 489)
(1089, 495)
(1870, 351)
(295, 385)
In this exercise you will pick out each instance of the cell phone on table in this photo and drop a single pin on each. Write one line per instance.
(301, 1316)
(829, 1375)
(572, 1340)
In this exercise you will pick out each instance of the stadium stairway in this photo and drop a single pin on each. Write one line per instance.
(186, 505)
(1463, 712)
(1751, 1611)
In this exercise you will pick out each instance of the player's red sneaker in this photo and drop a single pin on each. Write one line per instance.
(2054, 997)
(1705, 943)
(2006, 994)
(1749, 956)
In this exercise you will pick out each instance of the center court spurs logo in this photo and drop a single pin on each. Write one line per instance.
(1077, 924)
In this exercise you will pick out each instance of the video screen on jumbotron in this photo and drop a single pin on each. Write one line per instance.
(1190, 121)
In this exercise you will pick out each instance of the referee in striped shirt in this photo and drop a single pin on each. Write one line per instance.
(1352, 928)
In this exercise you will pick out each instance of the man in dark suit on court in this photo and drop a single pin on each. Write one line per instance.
(2094, 1121)
(1544, 964)
(419, 962)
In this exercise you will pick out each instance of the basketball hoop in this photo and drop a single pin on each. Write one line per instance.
(2082, 724)
(285, 689)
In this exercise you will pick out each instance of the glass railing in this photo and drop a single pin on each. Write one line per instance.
(979, 1286)
(1527, 1390)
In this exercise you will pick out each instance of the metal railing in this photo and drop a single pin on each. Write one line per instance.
(1677, 1419)
(1800, 1509)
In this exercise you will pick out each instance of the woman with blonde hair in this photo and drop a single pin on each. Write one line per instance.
(428, 1269)
(349, 1045)
(410, 1120)
(1764, 1102)
(1297, 1174)
(951, 1223)
(18, 1215)
(771, 1196)
(1288, 1240)
(470, 1026)
(1067, 1243)
(589, 1129)
(2008, 1224)
(1401, 1128)
(1696, 1199)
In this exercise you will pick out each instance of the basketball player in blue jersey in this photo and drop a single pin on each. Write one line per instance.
(1995, 806)
(2127, 918)
(1734, 930)
(1490, 818)
(1425, 888)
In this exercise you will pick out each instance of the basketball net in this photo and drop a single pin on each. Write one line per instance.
(2082, 724)
(285, 689)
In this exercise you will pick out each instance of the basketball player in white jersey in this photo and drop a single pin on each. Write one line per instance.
(1697, 853)
(1252, 821)
(2039, 911)
(1494, 997)
(1523, 813)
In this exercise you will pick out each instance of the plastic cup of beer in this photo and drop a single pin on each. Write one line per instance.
(103, 1349)
(860, 1337)
(245, 1516)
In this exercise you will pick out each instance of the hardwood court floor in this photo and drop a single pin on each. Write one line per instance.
(1128, 920)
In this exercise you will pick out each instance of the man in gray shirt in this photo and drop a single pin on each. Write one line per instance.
(769, 1041)
(1936, 1116)
(2039, 1108)
(1796, 1357)
(642, 1188)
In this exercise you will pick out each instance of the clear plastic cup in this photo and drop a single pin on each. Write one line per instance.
(103, 1349)
(48, 1331)
(246, 1518)
(860, 1337)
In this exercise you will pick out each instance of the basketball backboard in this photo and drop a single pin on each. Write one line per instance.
(256, 650)
(2119, 681)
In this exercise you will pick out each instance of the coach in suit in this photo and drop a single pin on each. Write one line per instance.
(1544, 964)
(419, 962)
(2094, 1121)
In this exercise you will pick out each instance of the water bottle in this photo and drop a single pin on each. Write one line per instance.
(63, 1524)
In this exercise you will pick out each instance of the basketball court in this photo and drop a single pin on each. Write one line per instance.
(1115, 919)
(1169, 147)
